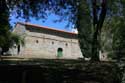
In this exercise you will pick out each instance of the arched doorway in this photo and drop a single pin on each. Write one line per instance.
(59, 52)
(18, 49)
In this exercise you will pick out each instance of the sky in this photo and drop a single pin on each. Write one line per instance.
(49, 22)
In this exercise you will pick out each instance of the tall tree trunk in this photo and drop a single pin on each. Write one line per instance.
(97, 24)
(4, 24)
(95, 56)
(95, 44)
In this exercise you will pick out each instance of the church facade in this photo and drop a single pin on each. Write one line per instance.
(45, 42)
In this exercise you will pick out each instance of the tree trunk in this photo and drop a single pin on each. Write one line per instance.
(97, 24)
(95, 44)
(4, 25)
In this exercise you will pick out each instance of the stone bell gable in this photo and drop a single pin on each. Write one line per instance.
(45, 42)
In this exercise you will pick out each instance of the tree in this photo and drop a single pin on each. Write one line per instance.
(89, 26)
(84, 26)
(12, 39)
(92, 32)
(113, 30)
(119, 40)
(97, 24)
(119, 35)
(4, 25)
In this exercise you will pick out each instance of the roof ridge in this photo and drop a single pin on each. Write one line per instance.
(45, 27)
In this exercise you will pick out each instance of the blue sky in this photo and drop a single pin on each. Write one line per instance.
(49, 22)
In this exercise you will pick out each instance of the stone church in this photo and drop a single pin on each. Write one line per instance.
(45, 42)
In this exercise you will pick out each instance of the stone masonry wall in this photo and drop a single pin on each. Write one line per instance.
(40, 43)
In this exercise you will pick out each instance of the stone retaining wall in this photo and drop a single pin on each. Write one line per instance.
(59, 71)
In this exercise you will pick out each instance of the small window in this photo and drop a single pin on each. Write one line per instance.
(18, 49)
(66, 44)
(52, 42)
(37, 41)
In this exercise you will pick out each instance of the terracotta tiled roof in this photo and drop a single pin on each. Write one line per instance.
(44, 27)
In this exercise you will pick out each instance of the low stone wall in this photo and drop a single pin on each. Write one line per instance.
(59, 71)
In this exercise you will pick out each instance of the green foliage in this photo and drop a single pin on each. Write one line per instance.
(7, 39)
(119, 40)
(4, 26)
(113, 30)
(83, 25)
(16, 39)
(40, 8)
(10, 41)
